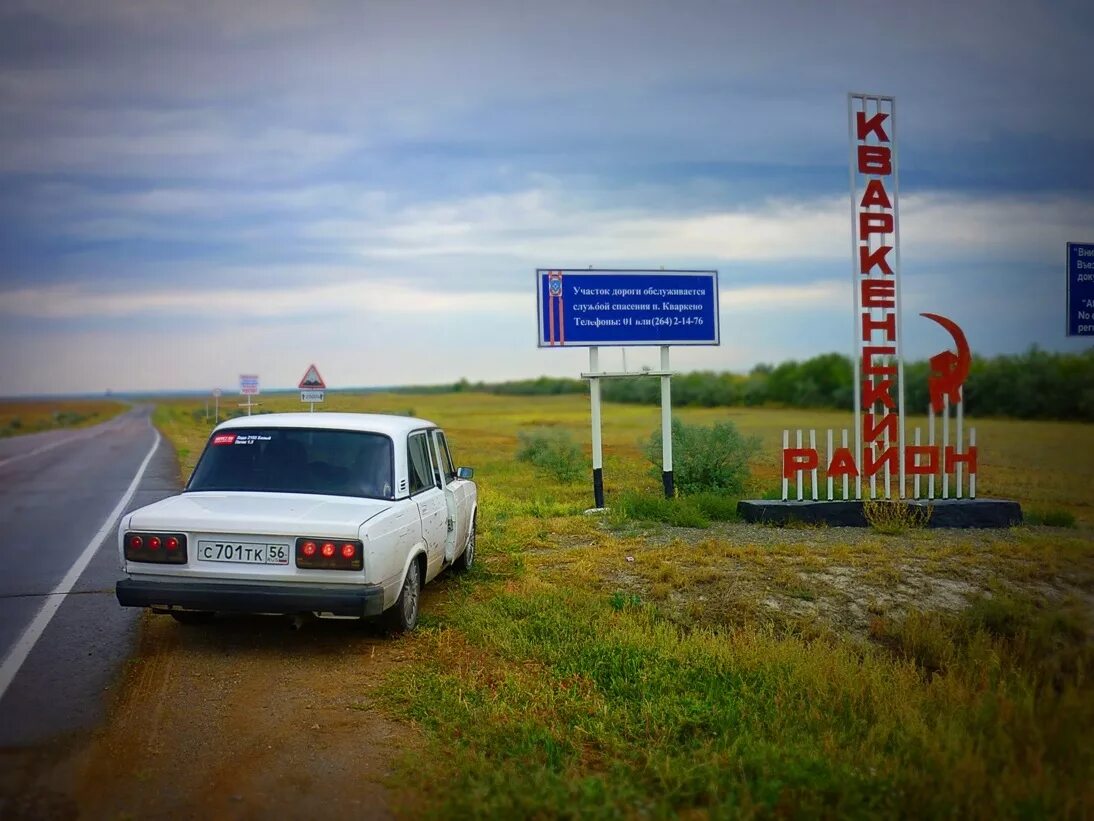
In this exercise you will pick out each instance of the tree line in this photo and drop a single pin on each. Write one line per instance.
(1036, 384)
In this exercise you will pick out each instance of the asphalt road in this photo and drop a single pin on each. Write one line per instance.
(57, 492)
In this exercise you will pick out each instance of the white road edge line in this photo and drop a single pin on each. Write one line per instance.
(56, 598)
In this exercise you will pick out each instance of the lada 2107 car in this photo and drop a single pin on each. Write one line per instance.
(336, 514)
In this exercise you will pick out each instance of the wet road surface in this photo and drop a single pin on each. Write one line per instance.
(57, 492)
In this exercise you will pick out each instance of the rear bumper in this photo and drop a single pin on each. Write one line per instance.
(252, 598)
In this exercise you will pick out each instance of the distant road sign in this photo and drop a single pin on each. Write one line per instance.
(1080, 289)
(586, 308)
(311, 396)
(248, 384)
(312, 381)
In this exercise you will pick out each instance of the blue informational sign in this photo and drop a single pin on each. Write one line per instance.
(1080, 289)
(586, 308)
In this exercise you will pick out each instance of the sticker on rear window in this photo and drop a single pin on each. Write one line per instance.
(251, 438)
(224, 438)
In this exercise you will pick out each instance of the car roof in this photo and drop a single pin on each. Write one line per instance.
(386, 424)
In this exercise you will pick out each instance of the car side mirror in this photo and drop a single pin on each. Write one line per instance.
(465, 473)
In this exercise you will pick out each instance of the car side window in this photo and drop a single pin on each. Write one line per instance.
(445, 458)
(418, 463)
(435, 463)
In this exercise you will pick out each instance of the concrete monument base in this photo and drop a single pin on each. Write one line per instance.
(944, 512)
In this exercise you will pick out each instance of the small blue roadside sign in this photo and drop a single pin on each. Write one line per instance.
(586, 308)
(1080, 289)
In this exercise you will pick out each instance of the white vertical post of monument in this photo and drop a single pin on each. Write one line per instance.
(799, 474)
(856, 327)
(666, 424)
(598, 455)
(828, 461)
(813, 473)
(958, 474)
(930, 442)
(972, 476)
(786, 481)
(945, 444)
(902, 437)
(846, 481)
(216, 408)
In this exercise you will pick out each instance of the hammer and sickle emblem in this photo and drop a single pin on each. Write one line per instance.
(948, 370)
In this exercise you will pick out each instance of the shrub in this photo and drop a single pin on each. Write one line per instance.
(552, 450)
(704, 458)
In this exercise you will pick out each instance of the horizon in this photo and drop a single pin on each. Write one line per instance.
(434, 387)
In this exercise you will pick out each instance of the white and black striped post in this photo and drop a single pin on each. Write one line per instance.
(666, 424)
(598, 448)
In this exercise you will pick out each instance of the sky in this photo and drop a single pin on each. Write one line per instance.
(191, 191)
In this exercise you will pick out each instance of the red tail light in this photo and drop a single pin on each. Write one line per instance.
(326, 554)
(145, 547)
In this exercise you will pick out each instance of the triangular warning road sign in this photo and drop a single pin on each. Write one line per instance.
(312, 380)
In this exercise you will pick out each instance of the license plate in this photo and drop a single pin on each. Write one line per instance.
(243, 552)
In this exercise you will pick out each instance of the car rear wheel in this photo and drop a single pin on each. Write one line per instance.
(467, 558)
(403, 615)
(192, 616)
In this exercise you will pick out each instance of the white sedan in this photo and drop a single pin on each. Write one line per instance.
(336, 514)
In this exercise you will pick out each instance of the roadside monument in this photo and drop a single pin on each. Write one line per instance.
(876, 461)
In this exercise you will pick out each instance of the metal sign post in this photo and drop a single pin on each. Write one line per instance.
(598, 449)
(666, 424)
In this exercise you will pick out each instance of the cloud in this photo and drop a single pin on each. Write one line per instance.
(226, 302)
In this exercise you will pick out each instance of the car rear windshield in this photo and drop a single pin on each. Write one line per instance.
(295, 460)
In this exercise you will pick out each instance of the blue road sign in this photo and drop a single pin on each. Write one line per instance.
(585, 308)
(1080, 289)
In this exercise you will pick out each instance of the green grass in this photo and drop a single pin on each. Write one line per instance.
(614, 667)
(22, 416)
(553, 702)
(1050, 517)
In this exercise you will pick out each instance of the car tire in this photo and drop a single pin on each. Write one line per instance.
(193, 616)
(466, 559)
(402, 617)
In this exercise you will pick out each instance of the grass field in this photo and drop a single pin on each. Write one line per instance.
(607, 666)
(19, 416)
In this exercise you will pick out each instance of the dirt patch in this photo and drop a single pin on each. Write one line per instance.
(242, 718)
